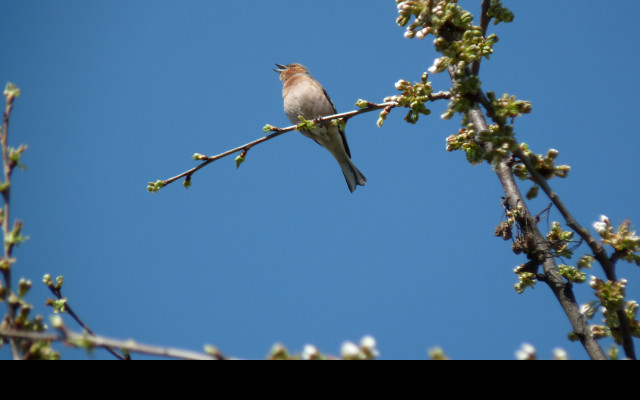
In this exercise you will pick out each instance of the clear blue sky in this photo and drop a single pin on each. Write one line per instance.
(116, 94)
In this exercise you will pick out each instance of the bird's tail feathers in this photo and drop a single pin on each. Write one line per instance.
(352, 175)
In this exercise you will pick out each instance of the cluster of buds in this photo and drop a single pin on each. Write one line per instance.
(412, 96)
(600, 332)
(499, 13)
(589, 310)
(631, 309)
(611, 299)
(560, 355)
(514, 214)
(11, 92)
(155, 186)
(366, 350)
(507, 107)
(465, 140)
(624, 240)
(544, 165)
(610, 294)
(559, 240)
(40, 350)
(502, 140)
(527, 353)
(472, 143)
(526, 279)
(463, 94)
(58, 305)
(572, 274)
(437, 354)
(459, 41)
(431, 16)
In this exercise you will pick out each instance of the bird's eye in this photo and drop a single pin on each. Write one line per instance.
(293, 65)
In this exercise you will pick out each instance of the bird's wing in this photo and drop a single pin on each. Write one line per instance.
(342, 133)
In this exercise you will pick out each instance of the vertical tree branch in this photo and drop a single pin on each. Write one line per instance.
(6, 195)
(562, 290)
(598, 250)
(485, 19)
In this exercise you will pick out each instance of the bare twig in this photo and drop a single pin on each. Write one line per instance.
(6, 230)
(80, 340)
(279, 131)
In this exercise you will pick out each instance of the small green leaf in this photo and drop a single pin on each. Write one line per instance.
(59, 306)
(269, 128)
(11, 92)
(239, 160)
(155, 186)
(533, 192)
(362, 103)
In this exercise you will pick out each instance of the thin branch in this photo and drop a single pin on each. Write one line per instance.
(67, 308)
(485, 19)
(80, 340)
(6, 230)
(280, 131)
(600, 254)
(277, 132)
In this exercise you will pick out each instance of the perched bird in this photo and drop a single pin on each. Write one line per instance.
(304, 96)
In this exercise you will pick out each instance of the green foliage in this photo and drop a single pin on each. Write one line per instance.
(507, 107)
(460, 42)
(14, 157)
(526, 279)
(624, 240)
(15, 236)
(437, 354)
(465, 140)
(413, 96)
(586, 262)
(305, 125)
(11, 92)
(187, 182)
(155, 186)
(499, 13)
(572, 274)
(544, 165)
(559, 241)
(611, 296)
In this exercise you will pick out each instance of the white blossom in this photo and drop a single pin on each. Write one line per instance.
(560, 355)
(309, 352)
(349, 351)
(526, 352)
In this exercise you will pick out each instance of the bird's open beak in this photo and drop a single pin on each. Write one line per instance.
(280, 69)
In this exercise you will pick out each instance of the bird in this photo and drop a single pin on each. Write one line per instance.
(304, 96)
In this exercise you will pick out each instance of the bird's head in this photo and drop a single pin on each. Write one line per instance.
(288, 71)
